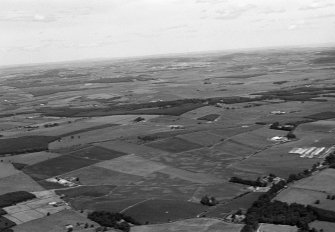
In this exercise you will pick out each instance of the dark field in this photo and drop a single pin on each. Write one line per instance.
(159, 211)
(25, 144)
(97, 153)
(174, 145)
(56, 166)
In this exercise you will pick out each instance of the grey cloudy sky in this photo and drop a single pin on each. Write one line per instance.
(56, 30)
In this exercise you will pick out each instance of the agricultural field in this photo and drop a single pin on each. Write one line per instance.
(97, 153)
(159, 211)
(35, 208)
(22, 182)
(323, 180)
(194, 225)
(243, 203)
(30, 158)
(56, 166)
(174, 145)
(325, 226)
(276, 228)
(151, 137)
(56, 223)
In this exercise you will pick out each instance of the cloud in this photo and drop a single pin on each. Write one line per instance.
(322, 16)
(292, 27)
(211, 1)
(272, 10)
(317, 5)
(21, 16)
(177, 27)
(232, 12)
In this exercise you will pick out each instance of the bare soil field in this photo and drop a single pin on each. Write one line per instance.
(194, 225)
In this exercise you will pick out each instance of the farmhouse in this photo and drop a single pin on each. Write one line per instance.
(279, 139)
(176, 127)
(278, 112)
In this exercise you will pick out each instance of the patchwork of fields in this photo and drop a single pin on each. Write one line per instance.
(153, 137)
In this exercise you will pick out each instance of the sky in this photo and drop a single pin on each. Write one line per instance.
(37, 31)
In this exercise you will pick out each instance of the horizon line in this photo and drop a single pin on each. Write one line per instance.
(156, 55)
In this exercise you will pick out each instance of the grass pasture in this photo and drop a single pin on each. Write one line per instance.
(97, 153)
(209, 117)
(243, 202)
(56, 223)
(30, 158)
(22, 182)
(93, 175)
(323, 180)
(103, 204)
(56, 166)
(274, 160)
(193, 177)
(232, 147)
(277, 228)
(7, 169)
(322, 115)
(86, 191)
(203, 138)
(131, 164)
(160, 211)
(194, 225)
(130, 148)
(174, 145)
(305, 197)
(325, 126)
(326, 226)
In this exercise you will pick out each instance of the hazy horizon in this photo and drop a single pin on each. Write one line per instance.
(37, 31)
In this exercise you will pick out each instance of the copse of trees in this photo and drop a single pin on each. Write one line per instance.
(285, 127)
(290, 135)
(114, 220)
(147, 138)
(208, 200)
(265, 210)
(330, 159)
(255, 183)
